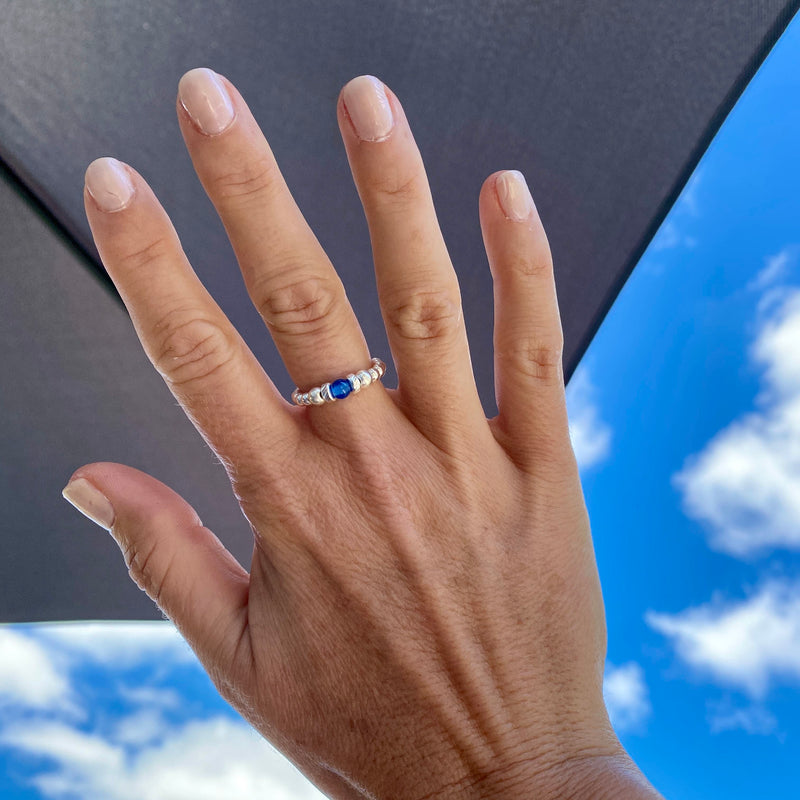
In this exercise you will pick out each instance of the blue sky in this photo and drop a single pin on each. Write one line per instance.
(685, 418)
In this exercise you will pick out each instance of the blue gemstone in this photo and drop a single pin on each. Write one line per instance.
(341, 388)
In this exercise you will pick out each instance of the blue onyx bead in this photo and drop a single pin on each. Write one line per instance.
(341, 388)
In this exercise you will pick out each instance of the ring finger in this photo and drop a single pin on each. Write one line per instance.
(417, 285)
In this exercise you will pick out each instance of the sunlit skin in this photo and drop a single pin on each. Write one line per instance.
(423, 615)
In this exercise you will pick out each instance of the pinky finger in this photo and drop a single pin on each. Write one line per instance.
(532, 422)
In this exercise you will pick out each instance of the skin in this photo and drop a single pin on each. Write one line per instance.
(423, 615)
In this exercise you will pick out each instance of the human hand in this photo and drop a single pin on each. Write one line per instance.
(423, 616)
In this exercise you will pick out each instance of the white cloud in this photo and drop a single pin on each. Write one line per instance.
(667, 236)
(136, 756)
(64, 744)
(144, 726)
(626, 696)
(149, 696)
(29, 676)
(748, 644)
(205, 760)
(774, 269)
(776, 349)
(591, 437)
(670, 235)
(36, 661)
(745, 483)
(773, 298)
(753, 719)
(689, 199)
(121, 644)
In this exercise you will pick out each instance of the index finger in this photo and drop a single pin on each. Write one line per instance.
(203, 359)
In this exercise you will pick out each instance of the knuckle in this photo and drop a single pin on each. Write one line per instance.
(253, 179)
(158, 250)
(538, 359)
(302, 306)
(149, 565)
(425, 315)
(139, 560)
(190, 348)
(530, 264)
(251, 482)
(395, 187)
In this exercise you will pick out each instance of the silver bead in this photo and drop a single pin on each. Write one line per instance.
(374, 374)
(325, 393)
(364, 377)
(354, 382)
(314, 396)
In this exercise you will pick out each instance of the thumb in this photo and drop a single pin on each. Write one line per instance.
(181, 565)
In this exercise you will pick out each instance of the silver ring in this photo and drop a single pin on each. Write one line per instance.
(340, 388)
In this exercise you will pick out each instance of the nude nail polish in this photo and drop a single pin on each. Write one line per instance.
(368, 106)
(206, 100)
(108, 183)
(90, 502)
(514, 195)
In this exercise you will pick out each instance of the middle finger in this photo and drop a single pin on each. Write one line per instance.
(288, 275)
(417, 285)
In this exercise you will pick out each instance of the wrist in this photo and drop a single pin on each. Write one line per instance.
(607, 776)
(598, 777)
(610, 777)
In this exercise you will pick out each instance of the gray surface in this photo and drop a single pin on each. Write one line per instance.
(605, 106)
(77, 387)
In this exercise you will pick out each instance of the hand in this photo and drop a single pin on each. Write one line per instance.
(423, 616)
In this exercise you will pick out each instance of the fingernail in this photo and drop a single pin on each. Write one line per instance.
(206, 100)
(109, 184)
(368, 107)
(90, 502)
(514, 195)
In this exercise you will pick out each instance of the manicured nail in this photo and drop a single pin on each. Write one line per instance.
(90, 501)
(206, 100)
(515, 197)
(368, 107)
(109, 184)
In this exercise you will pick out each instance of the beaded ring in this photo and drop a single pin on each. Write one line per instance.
(339, 389)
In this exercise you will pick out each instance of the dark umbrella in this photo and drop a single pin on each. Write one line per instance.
(606, 107)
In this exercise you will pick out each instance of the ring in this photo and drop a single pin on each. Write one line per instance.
(339, 389)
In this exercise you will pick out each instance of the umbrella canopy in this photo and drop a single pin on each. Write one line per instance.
(605, 107)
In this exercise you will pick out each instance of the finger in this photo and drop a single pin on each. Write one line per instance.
(528, 340)
(289, 278)
(417, 285)
(182, 566)
(189, 340)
